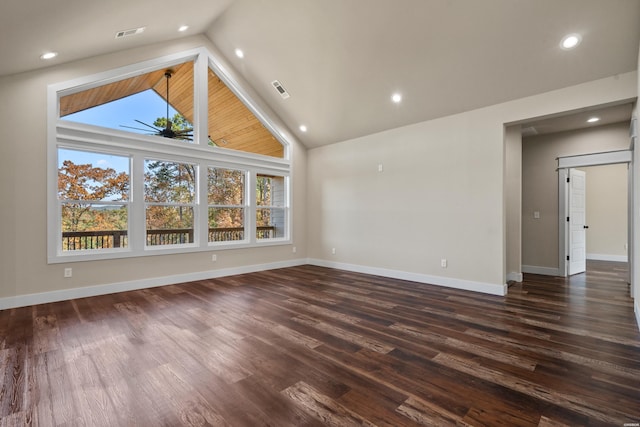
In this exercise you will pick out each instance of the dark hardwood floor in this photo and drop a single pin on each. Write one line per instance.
(311, 346)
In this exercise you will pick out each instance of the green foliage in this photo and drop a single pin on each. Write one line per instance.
(178, 123)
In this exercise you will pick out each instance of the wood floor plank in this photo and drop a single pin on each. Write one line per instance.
(312, 346)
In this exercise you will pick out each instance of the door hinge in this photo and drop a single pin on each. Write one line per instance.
(568, 179)
(567, 257)
(567, 219)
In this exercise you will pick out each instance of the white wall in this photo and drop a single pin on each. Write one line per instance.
(441, 194)
(606, 212)
(513, 201)
(23, 213)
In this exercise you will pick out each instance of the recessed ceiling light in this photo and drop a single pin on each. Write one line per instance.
(49, 55)
(239, 53)
(593, 119)
(570, 41)
(396, 98)
(303, 128)
(183, 28)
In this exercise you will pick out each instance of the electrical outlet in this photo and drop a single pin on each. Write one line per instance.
(333, 251)
(214, 258)
(443, 263)
(294, 249)
(68, 272)
(380, 167)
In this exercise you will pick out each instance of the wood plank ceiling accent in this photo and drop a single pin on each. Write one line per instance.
(231, 124)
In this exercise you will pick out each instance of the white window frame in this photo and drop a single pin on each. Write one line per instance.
(84, 137)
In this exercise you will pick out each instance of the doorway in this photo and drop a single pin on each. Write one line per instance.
(594, 216)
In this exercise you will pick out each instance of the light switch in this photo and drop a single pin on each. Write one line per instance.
(536, 215)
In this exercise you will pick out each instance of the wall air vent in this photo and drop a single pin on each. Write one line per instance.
(131, 32)
(281, 90)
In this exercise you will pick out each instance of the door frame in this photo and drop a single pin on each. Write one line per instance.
(585, 160)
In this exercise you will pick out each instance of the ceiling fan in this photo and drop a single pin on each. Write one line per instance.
(167, 131)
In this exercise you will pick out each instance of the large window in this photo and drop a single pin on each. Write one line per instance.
(136, 168)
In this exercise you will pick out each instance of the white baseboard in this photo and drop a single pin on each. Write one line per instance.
(514, 277)
(90, 291)
(545, 271)
(605, 257)
(637, 311)
(487, 288)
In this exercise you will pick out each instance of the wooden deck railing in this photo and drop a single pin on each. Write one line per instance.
(80, 240)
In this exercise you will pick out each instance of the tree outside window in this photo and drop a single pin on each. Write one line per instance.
(169, 193)
(226, 188)
(93, 191)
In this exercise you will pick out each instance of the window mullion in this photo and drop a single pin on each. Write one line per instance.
(250, 221)
(201, 101)
(202, 208)
(137, 218)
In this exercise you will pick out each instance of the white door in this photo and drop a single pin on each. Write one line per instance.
(577, 226)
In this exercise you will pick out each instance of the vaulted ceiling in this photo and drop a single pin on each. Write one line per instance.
(341, 60)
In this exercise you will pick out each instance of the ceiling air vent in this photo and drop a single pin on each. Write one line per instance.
(131, 32)
(281, 90)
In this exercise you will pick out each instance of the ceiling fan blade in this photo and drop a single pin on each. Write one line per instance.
(149, 126)
(131, 127)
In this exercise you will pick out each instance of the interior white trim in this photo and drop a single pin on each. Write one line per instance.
(545, 271)
(637, 311)
(467, 285)
(91, 291)
(111, 288)
(514, 277)
(584, 160)
(595, 159)
(605, 257)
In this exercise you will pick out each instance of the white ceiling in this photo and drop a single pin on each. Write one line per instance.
(342, 59)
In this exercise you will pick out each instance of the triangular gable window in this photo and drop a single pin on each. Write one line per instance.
(142, 104)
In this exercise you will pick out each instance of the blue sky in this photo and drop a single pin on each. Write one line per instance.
(145, 106)
(100, 160)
